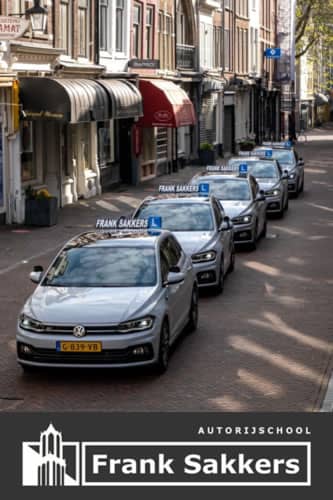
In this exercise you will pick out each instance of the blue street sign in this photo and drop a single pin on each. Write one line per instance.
(154, 222)
(273, 53)
(204, 189)
(288, 144)
(268, 153)
(243, 168)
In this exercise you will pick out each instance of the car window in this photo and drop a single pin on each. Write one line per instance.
(218, 214)
(180, 216)
(172, 251)
(103, 267)
(263, 169)
(227, 189)
(164, 265)
(285, 156)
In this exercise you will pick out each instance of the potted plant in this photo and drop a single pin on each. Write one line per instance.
(246, 144)
(207, 154)
(41, 208)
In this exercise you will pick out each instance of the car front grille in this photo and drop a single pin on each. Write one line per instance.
(89, 330)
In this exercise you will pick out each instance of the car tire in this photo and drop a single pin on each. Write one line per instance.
(286, 206)
(253, 244)
(218, 289)
(192, 324)
(301, 188)
(264, 231)
(162, 362)
(232, 260)
(280, 214)
(27, 369)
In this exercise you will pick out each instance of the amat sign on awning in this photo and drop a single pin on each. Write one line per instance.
(12, 27)
(165, 105)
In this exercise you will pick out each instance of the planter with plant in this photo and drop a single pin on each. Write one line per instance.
(41, 208)
(246, 144)
(207, 154)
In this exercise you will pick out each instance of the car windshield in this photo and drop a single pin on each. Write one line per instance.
(260, 169)
(180, 216)
(103, 267)
(284, 156)
(229, 189)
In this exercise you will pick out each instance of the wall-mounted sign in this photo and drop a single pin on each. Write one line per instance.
(144, 63)
(12, 27)
(273, 53)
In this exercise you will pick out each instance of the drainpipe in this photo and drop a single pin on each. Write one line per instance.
(96, 33)
(175, 168)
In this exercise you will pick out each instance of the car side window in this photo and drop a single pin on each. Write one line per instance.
(279, 169)
(171, 251)
(253, 184)
(164, 263)
(219, 214)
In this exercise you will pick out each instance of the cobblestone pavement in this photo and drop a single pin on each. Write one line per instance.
(265, 345)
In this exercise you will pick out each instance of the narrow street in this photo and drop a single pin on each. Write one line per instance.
(264, 345)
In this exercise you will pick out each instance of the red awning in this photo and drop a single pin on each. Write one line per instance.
(165, 105)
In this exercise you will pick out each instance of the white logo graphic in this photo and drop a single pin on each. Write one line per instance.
(50, 461)
(79, 331)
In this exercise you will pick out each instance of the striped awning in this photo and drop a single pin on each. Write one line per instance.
(79, 100)
(125, 98)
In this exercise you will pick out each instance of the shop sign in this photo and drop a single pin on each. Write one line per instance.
(144, 63)
(12, 27)
(44, 114)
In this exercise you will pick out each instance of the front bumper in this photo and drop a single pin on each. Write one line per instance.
(117, 350)
(244, 233)
(207, 273)
(274, 204)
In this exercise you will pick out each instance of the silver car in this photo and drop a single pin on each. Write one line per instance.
(289, 161)
(109, 299)
(271, 180)
(203, 230)
(242, 201)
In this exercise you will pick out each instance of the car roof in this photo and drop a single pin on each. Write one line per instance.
(223, 175)
(174, 198)
(102, 238)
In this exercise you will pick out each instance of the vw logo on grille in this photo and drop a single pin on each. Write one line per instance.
(79, 331)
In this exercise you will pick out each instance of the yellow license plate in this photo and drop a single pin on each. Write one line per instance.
(85, 347)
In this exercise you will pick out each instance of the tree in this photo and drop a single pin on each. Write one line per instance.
(314, 22)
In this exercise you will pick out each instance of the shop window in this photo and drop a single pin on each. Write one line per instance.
(28, 166)
(106, 142)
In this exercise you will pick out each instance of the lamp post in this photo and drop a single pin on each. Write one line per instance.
(38, 17)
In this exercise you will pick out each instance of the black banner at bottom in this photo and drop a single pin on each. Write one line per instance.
(77, 455)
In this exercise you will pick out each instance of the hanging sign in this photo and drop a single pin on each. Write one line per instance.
(12, 27)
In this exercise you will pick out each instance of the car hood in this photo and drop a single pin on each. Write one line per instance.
(194, 241)
(234, 208)
(267, 184)
(63, 305)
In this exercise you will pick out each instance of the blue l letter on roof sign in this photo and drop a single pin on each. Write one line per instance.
(243, 168)
(268, 153)
(154, 222)
(204, 189)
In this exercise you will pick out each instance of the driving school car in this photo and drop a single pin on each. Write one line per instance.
(240, 196)
(112, 297)
(271, 180)
(289, 161)
(201, 227)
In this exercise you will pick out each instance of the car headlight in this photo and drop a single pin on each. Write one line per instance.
(273, 192)
(243, 219)
(292, 176)
(204, 256)
(136, 325)
(30, 324)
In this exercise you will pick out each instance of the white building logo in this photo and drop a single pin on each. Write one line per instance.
(50, 461)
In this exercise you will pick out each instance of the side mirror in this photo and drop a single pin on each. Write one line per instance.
(175, 278)
(36, 276)
(301, 162)
(261, 196)
(226, 224)
(285, 175)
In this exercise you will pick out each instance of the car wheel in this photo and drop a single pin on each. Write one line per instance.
(163, 350)
(220, 285)
(232, 259)
(301, 189)
(286, 206)
(194, 312)
(29, 369)
(264, 231)
(253, 244)
(280, 214)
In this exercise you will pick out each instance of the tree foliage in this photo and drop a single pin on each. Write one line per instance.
(314, 23)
